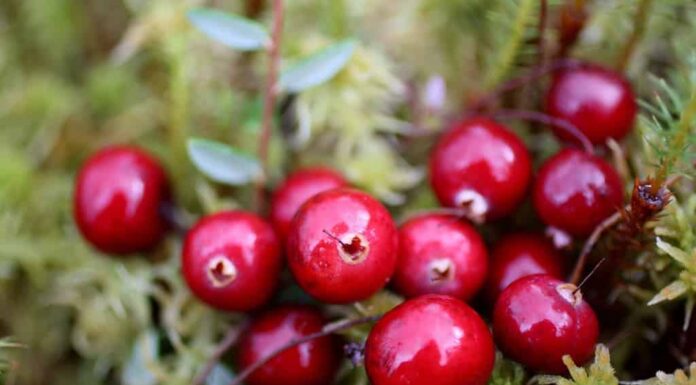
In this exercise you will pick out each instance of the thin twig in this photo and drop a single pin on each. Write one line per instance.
(542, 118)
(514, 83)
(594, 269)
(227, 342)
(590, 242)
(639, 26)
(270, 93)
(328, 330)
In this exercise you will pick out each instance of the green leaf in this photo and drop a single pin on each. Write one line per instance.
(231, 30)
(146, 348)
(220, 375)
(318, 67)
(223, 163)
(670, 292)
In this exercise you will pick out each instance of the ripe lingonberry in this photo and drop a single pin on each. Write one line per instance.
(518, 255)
(119, 193)
(538, 319)
(575, 191)
(297, 188)
(231, 260)
(342, 246)
(439, 254)
(481, 167)
(430, 340)
(598, 101)
(311, 363)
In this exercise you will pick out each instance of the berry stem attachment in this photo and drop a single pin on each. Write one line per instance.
(328, 330)
(227, 342)
(542, 118)
(270, 93)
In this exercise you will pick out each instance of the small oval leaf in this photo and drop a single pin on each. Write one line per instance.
(318, 67)
(231, 30)
(223, 163)
(220, 375)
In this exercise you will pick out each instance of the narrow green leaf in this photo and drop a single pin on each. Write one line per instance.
(318, 67)
(231, 30)
(223, 163)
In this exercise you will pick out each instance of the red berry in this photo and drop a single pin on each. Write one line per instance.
(599, 102)
(342, 246)
(231, 260)
(538, 319)
(575, 192)
(296, 190)
(481, 166)
(118, 197)
(430, 340)
(439, 254)
(519, 255)
(311, 363)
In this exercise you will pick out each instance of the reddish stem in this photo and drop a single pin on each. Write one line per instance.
(225, 345)
(542, 118)
(514, 83)
(270, 93)
(328, 329)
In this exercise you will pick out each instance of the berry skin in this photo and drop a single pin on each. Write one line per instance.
(311, 363)
(231, 260)
(296, 190)
(342, 246)
(575, 192)
(430, 340)
(439, 254)
(117, 201)
(599, 102)
(481, 166)
(538, 319)
(519, 255)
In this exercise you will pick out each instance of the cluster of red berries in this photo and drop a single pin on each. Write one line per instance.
(342, 246)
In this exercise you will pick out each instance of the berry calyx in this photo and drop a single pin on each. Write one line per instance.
(311, 363)
(342, 246)
(439, 254)
(430, 340)
(538, 319)
(575, 192)
(295, 190)
(231, 260)
(518, 255)
(598, 101)
(118, 199)
(481, 167)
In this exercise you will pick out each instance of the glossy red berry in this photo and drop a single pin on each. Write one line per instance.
(296, 190)
(440, 254)
(538, 319)
(342, 246)
(311, 363)
(430, 340)
(231, 260)
(598, 101)
(118, 200)
(575, 192)
(481, 166)
(518, 255)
